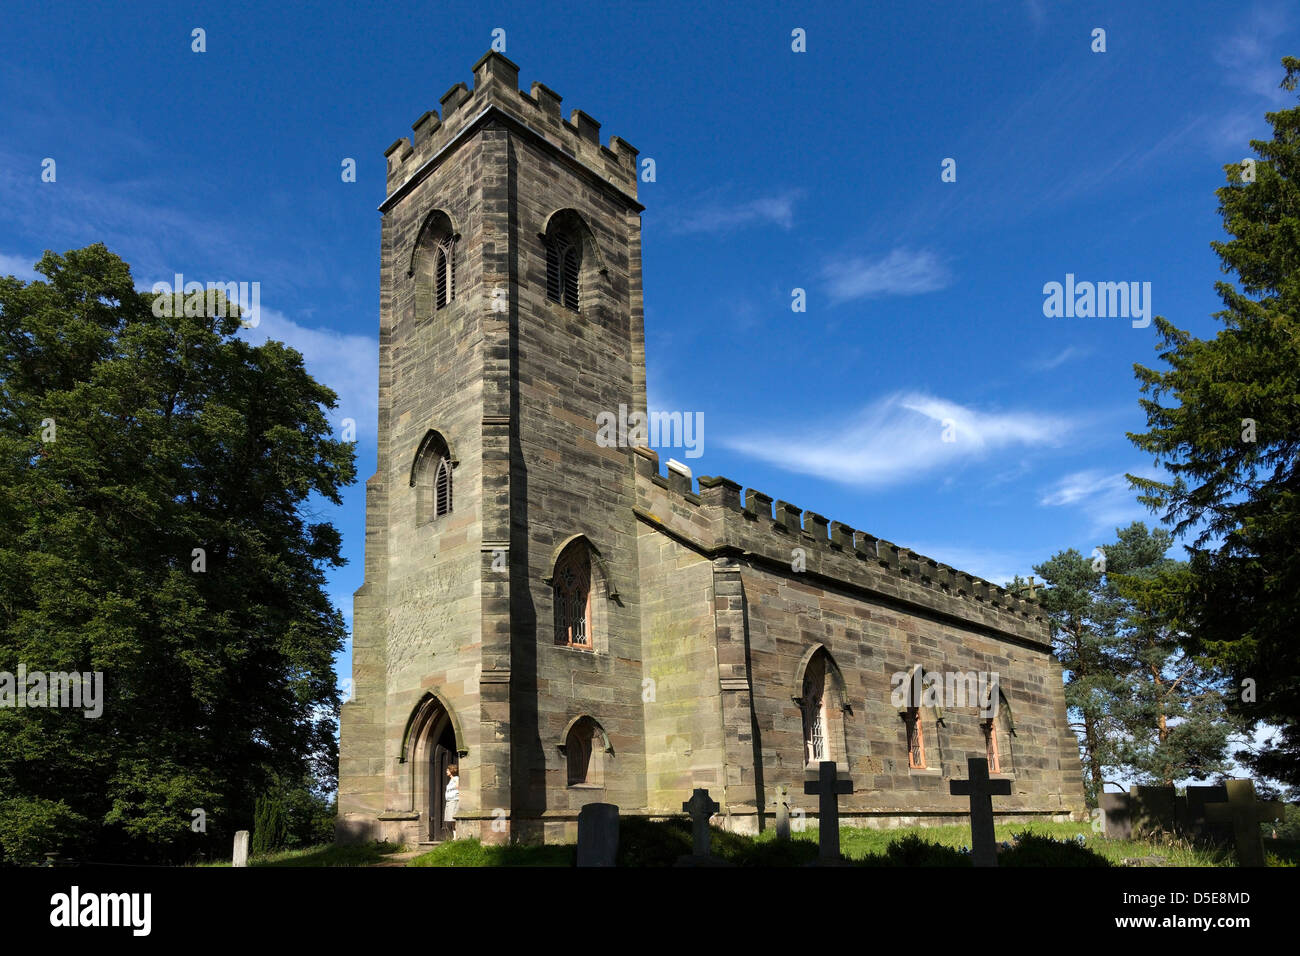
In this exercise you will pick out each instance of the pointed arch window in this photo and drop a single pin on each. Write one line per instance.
(997, 738)
(915, 739)
(444, 267)
(442, 489)
(433, 265)
(814, 711)
(823, 706)
(431, 477)
(585, 749)
(563, 264)
(572, 583)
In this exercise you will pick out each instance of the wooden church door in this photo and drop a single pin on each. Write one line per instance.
(442, 758)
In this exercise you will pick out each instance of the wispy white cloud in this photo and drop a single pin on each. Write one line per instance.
(901, 272)
(1247, 57)
(1104, 498)
(724, 217)
(345, 362)
(20, 266)
(1049, 362)
(899, 439)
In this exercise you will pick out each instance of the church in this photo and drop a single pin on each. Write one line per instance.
(570, 620)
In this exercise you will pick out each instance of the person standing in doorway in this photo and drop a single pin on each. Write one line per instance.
(451, 799)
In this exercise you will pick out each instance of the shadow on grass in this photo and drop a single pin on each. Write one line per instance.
(645, 843)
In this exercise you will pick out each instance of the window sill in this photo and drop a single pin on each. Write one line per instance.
(925, 771)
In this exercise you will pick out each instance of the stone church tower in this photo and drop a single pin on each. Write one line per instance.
(564, 622)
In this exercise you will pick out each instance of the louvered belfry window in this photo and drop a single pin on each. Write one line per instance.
(442, 488)
(444, 265)
(562, 265)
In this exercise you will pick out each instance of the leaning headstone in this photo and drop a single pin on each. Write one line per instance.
(700, 807)
(1153, 810)
(241, 849)
(827, 788)
(783, 812)
(597, 834)
(1245, 814)
(981, 790)
(1118, 822)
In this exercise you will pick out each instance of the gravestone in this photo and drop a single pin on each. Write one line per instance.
(783, 812)
(1195, 823)
(1152, 810)
(700, 807)
(981, 790)
(827, 788)
(1245, 814)
(241, 849)
(1117, 821)
(597, 834)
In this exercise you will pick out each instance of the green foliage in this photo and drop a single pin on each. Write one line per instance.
(1032, 849)
(30, 827)
(1145, 708)
(1241, 497)
(127, 440)
(914, 850)
(270, 825)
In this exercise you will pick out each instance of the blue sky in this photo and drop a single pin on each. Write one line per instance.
(775, 170)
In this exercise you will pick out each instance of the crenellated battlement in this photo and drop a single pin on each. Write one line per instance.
(722, 516)
(496, 84)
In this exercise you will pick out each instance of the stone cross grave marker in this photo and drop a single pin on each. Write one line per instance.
(827, 787)
(981, 790)
(783, 812)
(1245, 815)
(701, 808)
(597, 834)
(241, 849)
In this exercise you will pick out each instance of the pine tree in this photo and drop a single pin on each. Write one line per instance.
(1230, 440)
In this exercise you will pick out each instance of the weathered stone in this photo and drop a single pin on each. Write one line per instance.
(598, 835)
(703, 622)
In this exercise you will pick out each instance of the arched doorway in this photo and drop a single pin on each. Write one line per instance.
(431, 748)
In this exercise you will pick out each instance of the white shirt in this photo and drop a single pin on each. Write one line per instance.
(453, 789)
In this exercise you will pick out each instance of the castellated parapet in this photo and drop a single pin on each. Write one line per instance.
(496, 84)
(723, 518)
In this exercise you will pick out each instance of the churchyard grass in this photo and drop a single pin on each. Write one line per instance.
(659, 844)
(329, 854)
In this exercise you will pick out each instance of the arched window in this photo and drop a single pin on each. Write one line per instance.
(431, 477)
(823, 707)
(445, 271)
(562, 260)
(915, 739)
(572, 584)
(433, 265)
(922, 718)
(815, 738)
(442, 488)
(997, 737)
(568, 244)
(585, 750)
